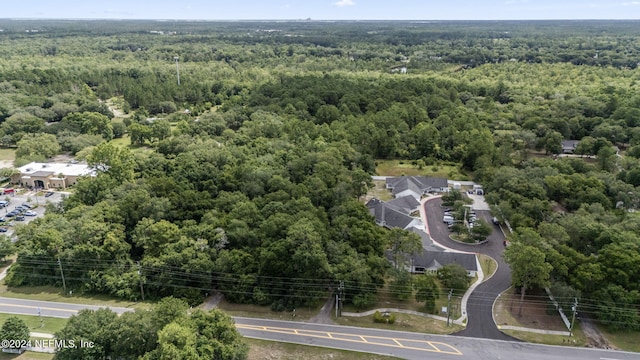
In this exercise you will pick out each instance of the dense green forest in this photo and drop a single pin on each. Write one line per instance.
(255, 191)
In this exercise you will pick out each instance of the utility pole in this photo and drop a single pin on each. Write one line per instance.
(574, 308)
(141, 285)
(176, 58)
(340, 297)
(449, 305)
(64, 284)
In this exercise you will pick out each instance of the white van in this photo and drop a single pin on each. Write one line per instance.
(448, 219)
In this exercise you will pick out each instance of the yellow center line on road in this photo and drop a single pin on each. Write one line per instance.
(432, 346)
(38, 307)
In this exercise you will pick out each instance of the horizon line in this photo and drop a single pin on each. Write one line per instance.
(301, 19)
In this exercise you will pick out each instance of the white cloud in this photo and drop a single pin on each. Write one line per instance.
(631, 3)
(342, 3)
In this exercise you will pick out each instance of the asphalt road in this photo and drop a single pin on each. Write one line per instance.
(47, 308)
(417, 346)
(479, 307)
(400, 344)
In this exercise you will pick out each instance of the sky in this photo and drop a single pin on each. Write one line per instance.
(322, 9)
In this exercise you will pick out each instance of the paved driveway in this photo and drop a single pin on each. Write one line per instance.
(480, 305)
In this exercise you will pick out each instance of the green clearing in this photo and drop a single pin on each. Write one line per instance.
(47, 325)
(262, 349)
(50, 293)
(125, 141)
(409, 168)
(7, 154)
(404, 322)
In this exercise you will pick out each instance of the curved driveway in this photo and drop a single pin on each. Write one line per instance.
(480, 305)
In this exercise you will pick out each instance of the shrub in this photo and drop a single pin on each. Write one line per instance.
(378, 317)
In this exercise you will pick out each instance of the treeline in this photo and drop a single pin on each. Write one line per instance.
(259, 198)
(267, 214)
(468, 42)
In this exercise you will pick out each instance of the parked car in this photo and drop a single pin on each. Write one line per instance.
(495, 221)
(2, 219)
(19, 218)
(12, 214)
(31, 213)
(48, 193)
(27, 205)
(3, 229)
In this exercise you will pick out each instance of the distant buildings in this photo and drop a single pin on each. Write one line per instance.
(51, 175)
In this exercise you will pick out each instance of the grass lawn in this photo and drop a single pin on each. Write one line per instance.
(125, 141)
(27, 356)
(404, 322)
(50, 293)
(577, 340)
(270, 350)
(488, 264)
(7, 154)
(627, 340)
(265, 312)
(405, 167)
(47, 325)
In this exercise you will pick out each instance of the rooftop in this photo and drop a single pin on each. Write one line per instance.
(40, 169)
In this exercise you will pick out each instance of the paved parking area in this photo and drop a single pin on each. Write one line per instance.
(29, 197)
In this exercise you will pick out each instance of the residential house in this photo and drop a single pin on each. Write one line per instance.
(569, 146)
(416, 186)
(51, 175)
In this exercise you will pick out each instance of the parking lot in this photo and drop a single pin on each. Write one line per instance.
(16, 200)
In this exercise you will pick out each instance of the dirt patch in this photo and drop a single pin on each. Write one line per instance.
(62, 158)
(537, 312)
(378, 191)
(324, 315)
(595, 338)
